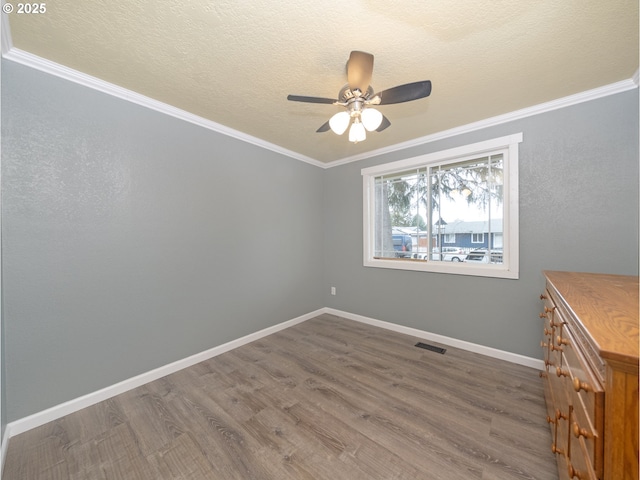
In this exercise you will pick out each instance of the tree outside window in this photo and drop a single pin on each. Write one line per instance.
(458, 205)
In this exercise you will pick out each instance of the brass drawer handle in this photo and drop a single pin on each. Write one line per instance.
(561, 341)
(573, 473)
(548, 332)
(578, 385)
(560, 415)
(561, 373)
(543, 296)
(552, 346)
(578, 432)
(546, 310)
(555, 449)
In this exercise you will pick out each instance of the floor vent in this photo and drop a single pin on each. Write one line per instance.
(433, 348)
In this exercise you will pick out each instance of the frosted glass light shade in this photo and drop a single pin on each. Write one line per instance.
(357, 132)
(371, 118)
(339, 122)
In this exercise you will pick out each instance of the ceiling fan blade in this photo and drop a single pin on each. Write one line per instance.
(301, 98)
(405, 93)
(385, 123)
(324, 128)
(359, 70)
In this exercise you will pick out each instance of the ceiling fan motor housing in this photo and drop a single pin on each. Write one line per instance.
(347, 94)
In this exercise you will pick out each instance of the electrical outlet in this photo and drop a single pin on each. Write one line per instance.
(333, 290)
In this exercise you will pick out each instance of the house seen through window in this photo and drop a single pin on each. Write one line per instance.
(451, 212)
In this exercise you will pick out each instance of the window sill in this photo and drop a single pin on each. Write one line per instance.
(453, 268)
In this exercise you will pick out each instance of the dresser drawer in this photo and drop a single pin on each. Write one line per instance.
(580, 379)
(586, 397)
(551, 329)
(555, 391)
(563, 316)
(583, 431)
(578, 465)
(551, 313)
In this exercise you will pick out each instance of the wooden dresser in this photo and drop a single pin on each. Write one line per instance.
(590, 342)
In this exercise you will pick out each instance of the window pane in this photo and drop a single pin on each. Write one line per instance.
(465, 201)
(427, 212)
(468, 206)
(399, 214)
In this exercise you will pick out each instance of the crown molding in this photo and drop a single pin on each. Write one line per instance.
(52, 68)
(5, 33)
(24, 58)
(582, 97)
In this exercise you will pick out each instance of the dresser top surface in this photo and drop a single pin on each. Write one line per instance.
(606, 306)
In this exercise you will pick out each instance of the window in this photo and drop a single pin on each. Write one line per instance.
(454, 211)
(477, 238)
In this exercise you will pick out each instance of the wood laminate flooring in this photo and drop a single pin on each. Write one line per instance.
(329, 398)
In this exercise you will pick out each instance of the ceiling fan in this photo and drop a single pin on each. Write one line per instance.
(357, 97)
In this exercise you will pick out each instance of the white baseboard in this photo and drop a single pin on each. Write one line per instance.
(66, 408)
(434, 337)
(4, 448)
(58, 411)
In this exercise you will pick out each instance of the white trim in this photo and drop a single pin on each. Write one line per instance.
(52, 68)
(636, 77)
(5, 446)
(53, 413)
(4, 436)
(37, 419)
(19, 56)
(7, 42)
(582, 97)
(434, 337)
(444, 156)
(509, 147)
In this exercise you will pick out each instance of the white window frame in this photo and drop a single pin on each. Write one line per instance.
(474, 235)
(508, 146)
(449, 238)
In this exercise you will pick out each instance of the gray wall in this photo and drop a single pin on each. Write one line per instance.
(132, 239)
(578, 211)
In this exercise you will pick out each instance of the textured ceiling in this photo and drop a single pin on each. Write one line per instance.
(234, 62)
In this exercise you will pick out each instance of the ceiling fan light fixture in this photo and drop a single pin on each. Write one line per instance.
(357, 133)
(357, 96)
(371, 118)
(339, 122)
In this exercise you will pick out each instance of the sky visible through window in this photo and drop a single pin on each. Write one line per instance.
(458, 209)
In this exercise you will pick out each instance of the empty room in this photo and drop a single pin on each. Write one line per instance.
(319, 240)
